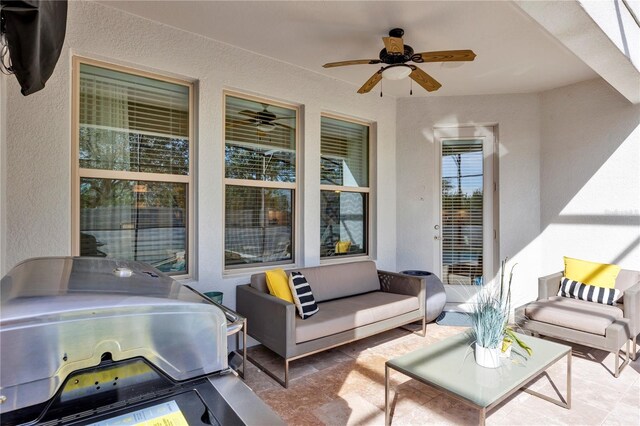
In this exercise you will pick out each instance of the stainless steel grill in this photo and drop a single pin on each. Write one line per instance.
(89, 338)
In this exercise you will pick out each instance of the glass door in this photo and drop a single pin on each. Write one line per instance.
(464, 236)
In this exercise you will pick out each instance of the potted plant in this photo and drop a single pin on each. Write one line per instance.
(489, 323)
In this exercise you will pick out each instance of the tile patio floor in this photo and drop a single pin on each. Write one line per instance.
(346, 386)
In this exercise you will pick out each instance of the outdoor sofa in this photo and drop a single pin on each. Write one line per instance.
(587, 323)
(355, 300)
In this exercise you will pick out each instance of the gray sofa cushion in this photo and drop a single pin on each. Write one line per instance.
(333, 281)
(345, 314)
(341, 280)
(574, 314)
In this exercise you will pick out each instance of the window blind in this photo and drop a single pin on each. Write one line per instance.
(462, 204)
(108, 98)
(344, 148)
(132, 123)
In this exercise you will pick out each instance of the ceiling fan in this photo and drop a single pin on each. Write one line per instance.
(264, 121)
(395, 56)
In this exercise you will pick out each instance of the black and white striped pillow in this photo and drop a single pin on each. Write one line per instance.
(590, 293)
(302, 295)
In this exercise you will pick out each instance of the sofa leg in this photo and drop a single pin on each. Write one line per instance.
(634, 352)
(286, 373)
(422, 331)
(284, 383)
(424, 326)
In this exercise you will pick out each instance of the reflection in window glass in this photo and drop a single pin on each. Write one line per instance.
(260, 141)
(258, 225)
(134, 220)
(343, 223)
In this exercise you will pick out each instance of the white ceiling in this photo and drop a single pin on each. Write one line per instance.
(514, 54)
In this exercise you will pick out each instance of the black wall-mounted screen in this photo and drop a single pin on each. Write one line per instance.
(34, 31)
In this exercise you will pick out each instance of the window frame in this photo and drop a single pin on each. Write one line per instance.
(77, 173)
(369, 190)
(296, 253)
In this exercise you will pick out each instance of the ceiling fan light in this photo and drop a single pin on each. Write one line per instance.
(397, 72)
(265, 127)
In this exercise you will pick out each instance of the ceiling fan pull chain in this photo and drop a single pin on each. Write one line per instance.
(411, 87)
(380, 88)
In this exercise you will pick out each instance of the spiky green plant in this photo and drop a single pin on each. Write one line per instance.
(488, 319)
(490, 315)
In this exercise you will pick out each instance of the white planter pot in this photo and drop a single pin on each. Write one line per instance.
(487, 357)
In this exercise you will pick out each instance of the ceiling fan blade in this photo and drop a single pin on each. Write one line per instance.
(444, 56)
(370, 84)
(247, 113)
(284, 126)
(425, 80)
(393, 44)
(352, 62)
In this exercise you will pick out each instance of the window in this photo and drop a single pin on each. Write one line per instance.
(132, 180)
(344, 185)
(260, 182)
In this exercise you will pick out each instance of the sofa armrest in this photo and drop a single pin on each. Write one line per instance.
(392, 282)
(631, 307)
(270, 320)
(548, 286)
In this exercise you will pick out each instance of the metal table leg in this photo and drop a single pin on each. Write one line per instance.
(387, 418)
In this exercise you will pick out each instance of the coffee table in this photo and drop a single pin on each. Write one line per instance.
(450, 366)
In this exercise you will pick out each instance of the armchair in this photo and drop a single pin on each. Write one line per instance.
(587, 323)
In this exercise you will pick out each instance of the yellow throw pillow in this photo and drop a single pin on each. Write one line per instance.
(278, 284)
(592, 273)
(343, 246)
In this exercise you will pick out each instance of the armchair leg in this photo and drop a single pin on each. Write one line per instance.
(634, 352)
(619, 367)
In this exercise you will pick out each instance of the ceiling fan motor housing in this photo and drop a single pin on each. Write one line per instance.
(396, 58)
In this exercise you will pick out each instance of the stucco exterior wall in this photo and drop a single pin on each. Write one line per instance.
(590, 176)
(38, 161)
(517, 118)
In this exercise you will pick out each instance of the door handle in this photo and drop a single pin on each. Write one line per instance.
(436, 227)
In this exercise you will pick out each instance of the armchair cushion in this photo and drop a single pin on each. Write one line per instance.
(588, 293)
(578, 315)
(591, 273)
(346, 314)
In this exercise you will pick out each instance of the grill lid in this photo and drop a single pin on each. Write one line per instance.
(62, 314)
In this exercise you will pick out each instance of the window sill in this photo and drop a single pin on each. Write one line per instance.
(344, 259)
(248, 271)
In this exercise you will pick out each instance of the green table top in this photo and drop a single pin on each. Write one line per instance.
(450, 365)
